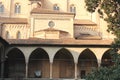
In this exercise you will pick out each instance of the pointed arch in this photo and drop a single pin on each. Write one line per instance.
(63, 64)
(66, 50)
(15, 62)
(17, 8)
(72, 8)
(39, 61)
(7, 35)
(18, 35)
(107, 59)
(86, 62)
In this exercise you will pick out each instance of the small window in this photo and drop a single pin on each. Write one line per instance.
(72, 8)
(17, 8)
(7, 35)
(1, 7)
(56, 7)
(18, 35)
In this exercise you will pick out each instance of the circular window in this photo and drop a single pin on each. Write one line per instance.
(51, 24)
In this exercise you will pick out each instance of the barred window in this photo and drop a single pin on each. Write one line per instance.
(56, 7)
(17, 8)
(1, 7)
(72, 8)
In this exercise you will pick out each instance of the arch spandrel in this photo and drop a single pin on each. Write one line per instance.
(38, 50)
(27, 51)
(98, 52)
(14, 48)
(51, 52)
(76, 52)
(65, 49)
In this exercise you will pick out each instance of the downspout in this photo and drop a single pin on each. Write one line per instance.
(10, 8)
(68, 1)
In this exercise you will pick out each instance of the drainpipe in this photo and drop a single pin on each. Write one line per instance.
(10, 8)
(68, 1)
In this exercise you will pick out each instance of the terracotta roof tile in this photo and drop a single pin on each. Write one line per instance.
(47, 11)
(52, 29)
(59, 41)
(84, 22)
(34, 0)
(13, 20)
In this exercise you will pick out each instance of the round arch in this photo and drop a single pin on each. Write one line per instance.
(39, 63)
(15, 62)
(63, 64)
(86, 62)
(106, 59)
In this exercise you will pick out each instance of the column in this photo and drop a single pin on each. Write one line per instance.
(75, 70)
(2, 61)
(26, 69)
(51, 70)
(99, 63)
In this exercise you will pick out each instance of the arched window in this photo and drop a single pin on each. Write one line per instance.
(72, 8)
(56, 7)
(1, 7)
(17, 8)
(39, 4)
(7, 35)
(18, 35)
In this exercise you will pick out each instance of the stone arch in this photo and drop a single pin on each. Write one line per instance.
(63, 64)
(106, 59)
(39, 62)
(86, 62)
(15, 64)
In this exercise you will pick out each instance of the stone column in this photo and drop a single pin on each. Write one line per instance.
(2, 61)
(26, 70)
(99, 63)
(51, 70)
(75, 70)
